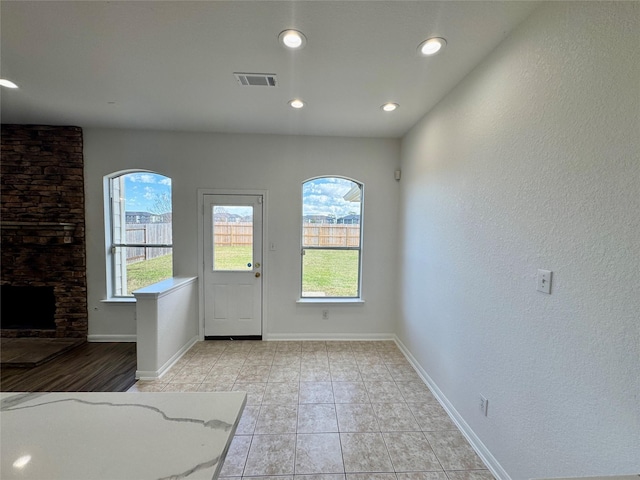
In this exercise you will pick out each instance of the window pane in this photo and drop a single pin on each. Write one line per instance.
(330, 273)
(331, 209)
(233, 237)
(331, 222)
(143, 201)
(145, 266)
(141, 213)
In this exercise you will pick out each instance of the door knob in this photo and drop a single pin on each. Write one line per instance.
(257, 274)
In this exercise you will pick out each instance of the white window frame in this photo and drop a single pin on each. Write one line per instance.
(335, 300)
(113, 280)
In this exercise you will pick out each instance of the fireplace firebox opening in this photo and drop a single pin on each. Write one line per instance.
(27, 307)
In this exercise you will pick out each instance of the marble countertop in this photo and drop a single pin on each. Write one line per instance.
(116, 436)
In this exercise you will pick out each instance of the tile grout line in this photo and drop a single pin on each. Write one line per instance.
(403, 399)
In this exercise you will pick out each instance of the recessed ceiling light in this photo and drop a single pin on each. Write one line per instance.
(7, 83)
(292, 39)
(296, 103)
(389, 107)
(431, 46)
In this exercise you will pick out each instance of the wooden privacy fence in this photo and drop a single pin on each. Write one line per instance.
(313, 235)
(240, 233)
(330, 235)
(158, 233)
(237, 234)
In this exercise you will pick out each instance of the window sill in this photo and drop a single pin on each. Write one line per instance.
(122, 300)
(329, 301)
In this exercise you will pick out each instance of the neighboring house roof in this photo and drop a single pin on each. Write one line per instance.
(231, 217)
(141, 214)
(147, 217)
(319, 219)
(349, 219)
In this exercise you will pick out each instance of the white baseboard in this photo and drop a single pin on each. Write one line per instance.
(483, 452)
(154, 375)
(329, 336)
(112, 338)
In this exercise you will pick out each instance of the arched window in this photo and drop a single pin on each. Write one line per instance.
(139, 231)
(331, 237)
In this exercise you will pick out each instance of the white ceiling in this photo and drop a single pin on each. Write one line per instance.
(169, 65)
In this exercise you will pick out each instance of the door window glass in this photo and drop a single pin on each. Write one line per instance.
(232, 238)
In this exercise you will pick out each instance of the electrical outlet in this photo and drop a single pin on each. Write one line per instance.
(484, 405)
(325, 314)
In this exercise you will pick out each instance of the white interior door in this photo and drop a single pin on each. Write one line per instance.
(232, 265)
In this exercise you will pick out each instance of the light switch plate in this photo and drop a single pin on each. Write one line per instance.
(544, 281)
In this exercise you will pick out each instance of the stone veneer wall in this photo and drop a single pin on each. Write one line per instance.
(42, 221)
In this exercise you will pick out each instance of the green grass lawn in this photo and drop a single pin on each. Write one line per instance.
(147, 272)
(333, 273)
(233, 257)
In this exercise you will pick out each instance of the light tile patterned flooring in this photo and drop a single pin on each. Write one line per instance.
(327, 411)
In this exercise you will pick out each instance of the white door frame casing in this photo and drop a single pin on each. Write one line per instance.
(232, 293)
(265, 264)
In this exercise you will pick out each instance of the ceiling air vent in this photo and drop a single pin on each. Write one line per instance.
(256, 79)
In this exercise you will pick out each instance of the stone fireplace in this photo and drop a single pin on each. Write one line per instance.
(43, 254)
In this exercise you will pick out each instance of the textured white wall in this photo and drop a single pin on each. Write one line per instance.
(278, 164)
(533, 162)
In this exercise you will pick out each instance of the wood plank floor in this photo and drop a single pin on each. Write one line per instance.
(92, 367)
